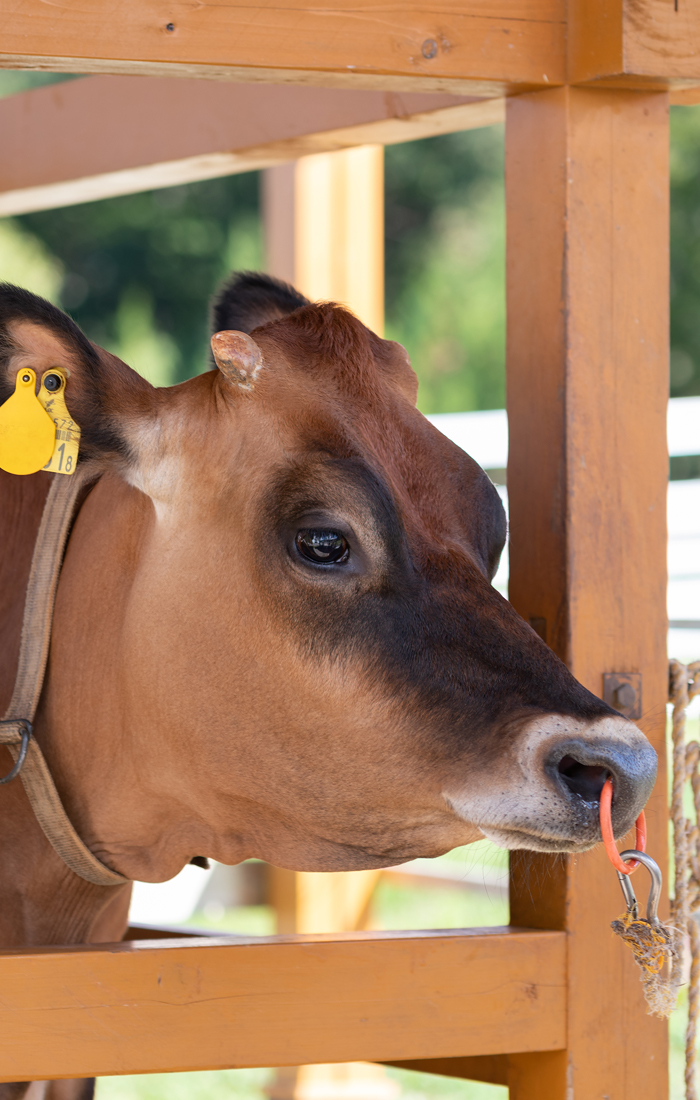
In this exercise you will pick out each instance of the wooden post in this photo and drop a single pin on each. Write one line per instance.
(324, 228)
(278, 197)
(324, 232)
(316, 901)
(587, 209)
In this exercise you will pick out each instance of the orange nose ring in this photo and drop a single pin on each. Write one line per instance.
(607, 831)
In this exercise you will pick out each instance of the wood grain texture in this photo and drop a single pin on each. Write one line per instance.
(587, 210)
(504, 42)
(171, 1005)
(339, 231)
(108, 135)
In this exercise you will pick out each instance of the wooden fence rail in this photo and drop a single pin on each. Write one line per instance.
(193, 1004)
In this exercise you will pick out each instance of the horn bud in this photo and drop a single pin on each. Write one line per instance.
(237, 356)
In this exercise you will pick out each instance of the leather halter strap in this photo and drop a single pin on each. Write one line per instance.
(15, 728)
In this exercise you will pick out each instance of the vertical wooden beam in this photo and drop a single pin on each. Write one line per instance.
(324, 232)
(321, 901)
(587, 209)
(278, 220)
(324, 223)
(324, 228)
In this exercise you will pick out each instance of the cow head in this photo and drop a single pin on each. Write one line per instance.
(304, 641)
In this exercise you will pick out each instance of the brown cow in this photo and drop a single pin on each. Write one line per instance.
(275, 632)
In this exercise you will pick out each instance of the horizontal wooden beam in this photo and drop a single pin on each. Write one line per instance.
(482, 45)
(479, 47)
(166, 1005)
(113, 135)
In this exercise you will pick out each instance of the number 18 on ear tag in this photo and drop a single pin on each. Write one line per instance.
(65, 452)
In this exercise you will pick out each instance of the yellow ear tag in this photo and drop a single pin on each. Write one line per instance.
(52, 396)
(27, 434)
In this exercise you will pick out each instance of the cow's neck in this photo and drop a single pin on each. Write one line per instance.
(41, 900)
(125, 783)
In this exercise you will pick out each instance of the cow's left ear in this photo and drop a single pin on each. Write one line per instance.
(108, 401)
(238, 358)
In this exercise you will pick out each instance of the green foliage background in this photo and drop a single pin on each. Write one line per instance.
(685, 251)
(137, 272)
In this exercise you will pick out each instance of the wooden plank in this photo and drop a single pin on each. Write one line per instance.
(103, 136)
(483, 44)
(587, 210)
(339, 229)
(171, 1005)
(321, 901)
(475, 47)
(638, 43)
(324, 232)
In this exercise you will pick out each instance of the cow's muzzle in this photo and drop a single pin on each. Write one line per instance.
(580, 767)
(545, 795)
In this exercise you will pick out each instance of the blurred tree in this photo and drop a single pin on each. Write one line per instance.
(685, 251)
(26, 261)
(445, 266)
(136, 272)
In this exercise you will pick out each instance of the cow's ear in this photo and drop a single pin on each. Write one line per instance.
(108, 401)
(249, 299)
(238, 358)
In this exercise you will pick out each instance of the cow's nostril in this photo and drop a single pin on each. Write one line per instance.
(585, 780)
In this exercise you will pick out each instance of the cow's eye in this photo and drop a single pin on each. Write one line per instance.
(321, 546)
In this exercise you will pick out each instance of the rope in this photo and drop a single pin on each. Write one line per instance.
(652, 945)
(685, 909)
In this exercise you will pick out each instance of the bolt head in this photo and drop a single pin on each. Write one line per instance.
(625, 697)
(429, 48)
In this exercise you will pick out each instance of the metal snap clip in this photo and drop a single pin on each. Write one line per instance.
(654, 890)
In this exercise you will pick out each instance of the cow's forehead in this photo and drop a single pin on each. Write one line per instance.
(39, 344)
(371, 419)
(329, 344)
(440, 493)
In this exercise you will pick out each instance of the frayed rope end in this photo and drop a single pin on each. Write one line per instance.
(652, 946)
